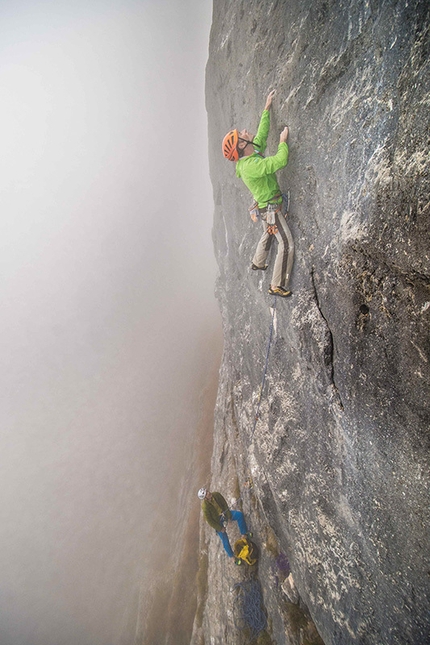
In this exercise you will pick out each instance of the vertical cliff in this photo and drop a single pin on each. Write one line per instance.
(336, 475)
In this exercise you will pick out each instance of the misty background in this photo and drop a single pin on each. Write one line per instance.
(109, 326)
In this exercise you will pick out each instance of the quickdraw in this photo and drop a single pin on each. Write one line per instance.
(271, 212)
(254, 211)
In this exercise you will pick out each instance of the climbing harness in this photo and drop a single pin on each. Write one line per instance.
(268, 214)
(249, 611)
(272, 325)
(223, 519)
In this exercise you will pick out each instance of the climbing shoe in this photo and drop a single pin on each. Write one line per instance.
(280, 291)
(248, 535)
(254, 267)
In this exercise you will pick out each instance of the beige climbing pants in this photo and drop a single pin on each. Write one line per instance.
(285, 255)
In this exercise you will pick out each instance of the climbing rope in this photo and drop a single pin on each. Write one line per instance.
(286, 206)
(263, 381)
(250, 608)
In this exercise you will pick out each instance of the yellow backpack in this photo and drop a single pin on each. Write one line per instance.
(245, 551)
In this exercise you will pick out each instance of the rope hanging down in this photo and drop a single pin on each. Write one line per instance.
(257, 413)
(250, 608)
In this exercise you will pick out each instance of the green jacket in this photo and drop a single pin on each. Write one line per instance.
(213, 509)
(258, 172)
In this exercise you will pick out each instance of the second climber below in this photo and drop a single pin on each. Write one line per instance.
(259, 175)
(217, 514)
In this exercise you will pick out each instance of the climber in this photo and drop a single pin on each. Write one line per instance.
(258, 174)
(217, 513)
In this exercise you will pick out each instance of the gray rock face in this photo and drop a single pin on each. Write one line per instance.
(336, 472)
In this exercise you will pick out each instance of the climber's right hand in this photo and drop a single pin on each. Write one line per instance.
(284, 135)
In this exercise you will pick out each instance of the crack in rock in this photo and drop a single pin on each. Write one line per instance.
(329, 347)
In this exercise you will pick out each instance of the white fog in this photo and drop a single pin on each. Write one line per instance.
(109, 323)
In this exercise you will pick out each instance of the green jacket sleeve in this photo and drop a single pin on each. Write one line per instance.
(260, 138)
(268, 165)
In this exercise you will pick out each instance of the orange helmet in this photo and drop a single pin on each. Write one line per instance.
(229, 145)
